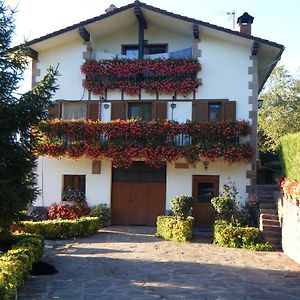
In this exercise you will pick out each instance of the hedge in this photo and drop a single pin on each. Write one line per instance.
(227, 235)
(175, 229)
(63, 229)
(290, 156)
(16, 263)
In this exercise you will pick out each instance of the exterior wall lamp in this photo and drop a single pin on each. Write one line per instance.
(205, 164)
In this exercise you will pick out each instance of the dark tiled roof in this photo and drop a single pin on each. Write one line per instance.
(157, 10)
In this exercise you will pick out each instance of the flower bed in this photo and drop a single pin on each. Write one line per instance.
(15, 265)
(174, 228)
(156, 142)
(131, 75)
(63, 229)
(291, 190)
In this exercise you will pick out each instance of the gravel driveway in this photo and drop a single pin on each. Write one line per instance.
(131, 263)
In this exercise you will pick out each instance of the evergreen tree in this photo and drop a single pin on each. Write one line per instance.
(17, 114)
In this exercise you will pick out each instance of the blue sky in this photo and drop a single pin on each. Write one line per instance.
(275, 20)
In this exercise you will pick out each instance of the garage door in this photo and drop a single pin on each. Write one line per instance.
(138, 194)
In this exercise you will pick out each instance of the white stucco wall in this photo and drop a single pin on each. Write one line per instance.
(179, 181)
(224, 73)
(50, 173)
(68, 57)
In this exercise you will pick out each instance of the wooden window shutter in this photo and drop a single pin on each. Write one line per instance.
(54, 111)
(160, 110)
(117, 110)
(93, 110)
(229, 110)
(200, 111)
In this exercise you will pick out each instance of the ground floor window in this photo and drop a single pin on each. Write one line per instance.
(73, 188)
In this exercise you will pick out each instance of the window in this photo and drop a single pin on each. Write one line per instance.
(74, 182)
(205, 192)
(132, 51)
(74, 110)
(214, 110)
(140, 110)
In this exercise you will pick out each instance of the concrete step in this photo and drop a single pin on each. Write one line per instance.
(271, 228)
(272, 234)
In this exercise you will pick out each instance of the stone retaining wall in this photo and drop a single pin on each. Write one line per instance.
(289, 216)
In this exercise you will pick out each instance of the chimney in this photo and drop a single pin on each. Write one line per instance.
(110, 8)
(245, 22)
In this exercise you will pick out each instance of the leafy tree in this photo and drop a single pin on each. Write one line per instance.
(280, 111)
(17, 114)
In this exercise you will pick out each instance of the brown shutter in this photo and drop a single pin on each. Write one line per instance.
(200, 111)
(160, 110)
(54, 111)
(93, 110)
(117, 110)
(229, 110)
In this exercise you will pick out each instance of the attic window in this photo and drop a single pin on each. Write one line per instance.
(132, 51)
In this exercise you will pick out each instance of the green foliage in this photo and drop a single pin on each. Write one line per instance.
(102, 212)
(17, 114)
(63, 229)
(290, 156)
(181, 206)
(226, 204)
(175, 229)
(227, 235)
(280, 111)
(15, 265)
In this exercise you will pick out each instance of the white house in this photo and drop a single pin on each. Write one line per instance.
(218, 74)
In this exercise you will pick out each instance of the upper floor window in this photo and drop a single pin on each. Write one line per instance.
(74, 110)
(140, 110)
(214, 111)
(132, 51)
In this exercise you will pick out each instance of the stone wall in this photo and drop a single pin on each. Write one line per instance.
(289, 216)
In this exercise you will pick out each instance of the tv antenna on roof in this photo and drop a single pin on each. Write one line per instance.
(232, 14)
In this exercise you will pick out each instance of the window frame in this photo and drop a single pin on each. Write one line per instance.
(147, 47)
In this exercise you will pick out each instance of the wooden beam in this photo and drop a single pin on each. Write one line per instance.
(255, 48)
(85, 35)
(196, 31)
(142, 26)
(32, 53)
(139, 14)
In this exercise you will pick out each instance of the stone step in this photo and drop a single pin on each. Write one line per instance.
(275, 242)
(270, 222)
(268, 211)
(272, 228)
(264, 187)
(267, 206)
(272, 234)
(267, 196)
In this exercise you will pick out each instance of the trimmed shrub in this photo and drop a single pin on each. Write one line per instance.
(15, 264)
(181, 206)
(227, 235)
(68, 212)
(102, 212)
(63, 229)
(290, 155)
(175, 229)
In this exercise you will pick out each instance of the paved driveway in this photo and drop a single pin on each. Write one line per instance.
(130, 263)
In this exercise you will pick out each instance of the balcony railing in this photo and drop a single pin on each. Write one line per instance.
(157, 142)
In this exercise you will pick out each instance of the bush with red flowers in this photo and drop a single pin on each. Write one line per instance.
(66, 211)
(156, 142)
(131, 75)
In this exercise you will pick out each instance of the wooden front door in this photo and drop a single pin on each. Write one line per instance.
(138, 195)
(204, 188)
